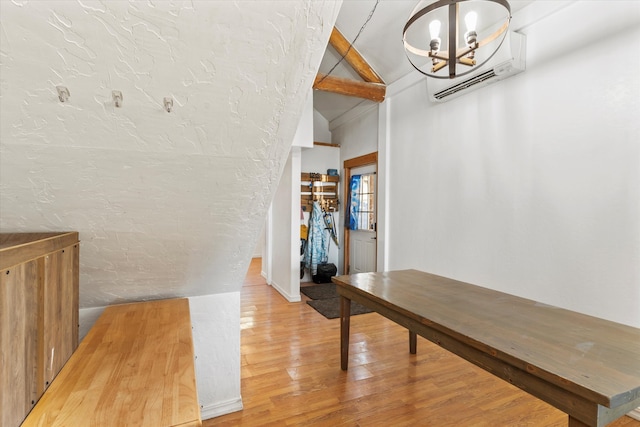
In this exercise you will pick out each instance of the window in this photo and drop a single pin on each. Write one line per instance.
(362, 207)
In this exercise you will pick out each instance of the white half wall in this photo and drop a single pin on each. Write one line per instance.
(285, 223)
(216, 340)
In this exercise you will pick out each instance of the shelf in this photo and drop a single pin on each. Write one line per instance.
(321, 188)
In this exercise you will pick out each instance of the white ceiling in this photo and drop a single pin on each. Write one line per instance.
(380, 43)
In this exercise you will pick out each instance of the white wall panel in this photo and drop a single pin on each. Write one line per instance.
(532, 185)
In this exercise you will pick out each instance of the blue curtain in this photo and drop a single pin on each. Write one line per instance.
(354, 203)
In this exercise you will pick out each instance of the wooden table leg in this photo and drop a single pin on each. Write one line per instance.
(413, 342)
(345, 319)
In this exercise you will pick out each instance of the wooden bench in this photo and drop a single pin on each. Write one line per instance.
(587, 367)
(134, 367)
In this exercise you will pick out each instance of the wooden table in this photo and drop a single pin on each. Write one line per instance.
(135, 367)
(585, 366)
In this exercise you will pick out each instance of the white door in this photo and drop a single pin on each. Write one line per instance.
(363, 251)
(363, 238)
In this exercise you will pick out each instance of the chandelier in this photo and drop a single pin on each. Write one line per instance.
(456, 56)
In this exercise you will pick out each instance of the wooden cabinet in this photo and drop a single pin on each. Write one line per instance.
(38, 316)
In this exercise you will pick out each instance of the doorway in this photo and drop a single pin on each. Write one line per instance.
(360, 233)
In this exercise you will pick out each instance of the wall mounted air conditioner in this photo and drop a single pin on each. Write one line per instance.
(509, 60)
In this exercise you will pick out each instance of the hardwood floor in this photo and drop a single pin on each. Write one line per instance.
(291, 374)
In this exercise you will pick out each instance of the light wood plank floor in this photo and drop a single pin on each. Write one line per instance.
(291, 375)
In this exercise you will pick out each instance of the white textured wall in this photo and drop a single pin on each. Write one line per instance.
(532, 185)
(167, 204)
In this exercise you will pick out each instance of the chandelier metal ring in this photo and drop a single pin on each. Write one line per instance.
(453, 55)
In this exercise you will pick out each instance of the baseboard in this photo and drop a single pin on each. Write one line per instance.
(635, 414)
(221, 408)
(290, 298)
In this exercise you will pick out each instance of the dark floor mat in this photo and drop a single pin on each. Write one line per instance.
(321, 291)
(330, 307)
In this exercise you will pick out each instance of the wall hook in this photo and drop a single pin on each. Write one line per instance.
(168, 104)
(117, 98)
(63, 93)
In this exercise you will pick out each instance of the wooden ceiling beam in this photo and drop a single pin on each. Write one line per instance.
(372, 91)
(353, 57)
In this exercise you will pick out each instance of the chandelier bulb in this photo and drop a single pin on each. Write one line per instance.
(434, 32)
(471, 20)
(434, 29)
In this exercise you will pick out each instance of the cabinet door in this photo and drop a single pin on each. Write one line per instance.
(60, 310)
(18, 341)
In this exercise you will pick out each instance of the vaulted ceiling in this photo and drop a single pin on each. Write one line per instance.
(380, 44)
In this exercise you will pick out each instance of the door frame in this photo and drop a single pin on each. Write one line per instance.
(356, 162)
